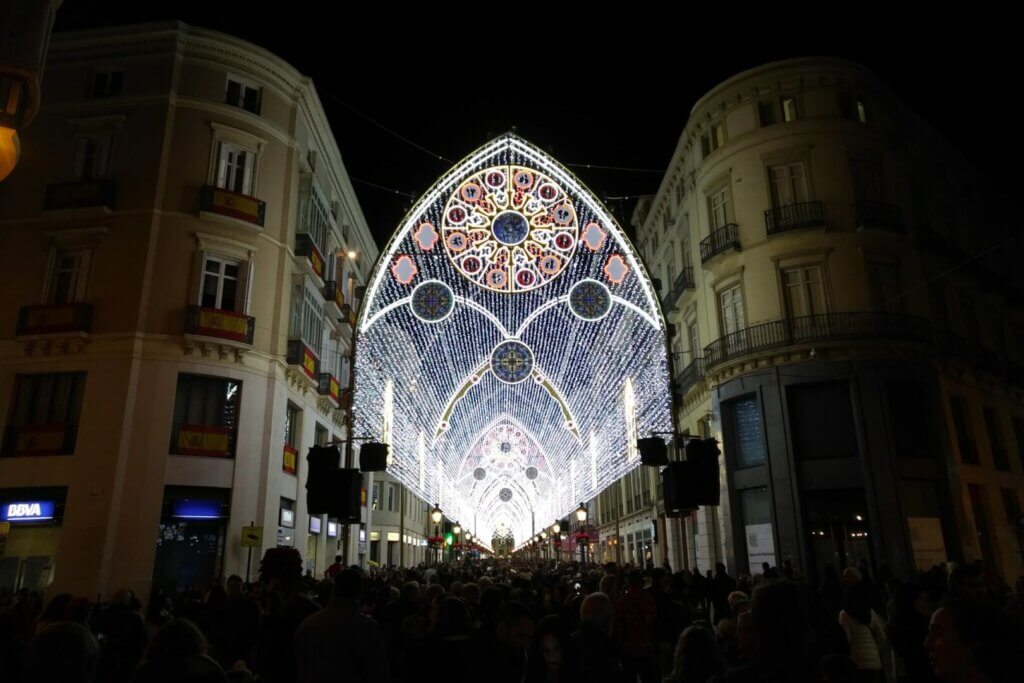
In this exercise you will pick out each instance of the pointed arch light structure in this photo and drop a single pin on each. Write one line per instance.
(510, 343)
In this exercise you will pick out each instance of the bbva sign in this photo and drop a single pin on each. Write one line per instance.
(27, 511)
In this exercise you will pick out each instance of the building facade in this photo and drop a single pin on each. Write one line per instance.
(847, 324)
(183, 260)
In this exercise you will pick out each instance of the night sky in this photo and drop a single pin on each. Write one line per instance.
(613, 95)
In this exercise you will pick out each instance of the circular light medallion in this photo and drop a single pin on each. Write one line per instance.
(432, 301)
(510, 227)
(512, 361)
(506, 447)
(589, 299)
(531, 472)
(505, 495)
(479, 473)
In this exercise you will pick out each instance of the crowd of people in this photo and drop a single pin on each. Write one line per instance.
(530, 621)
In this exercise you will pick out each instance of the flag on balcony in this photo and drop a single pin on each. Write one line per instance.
(224, 324)
(291, 458)
(45, 439)
(203, 440)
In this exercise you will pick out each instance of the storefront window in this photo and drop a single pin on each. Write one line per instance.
(749, 432)
(190, 543)
(30, 532)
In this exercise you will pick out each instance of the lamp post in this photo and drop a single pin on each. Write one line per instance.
(556, 530)
(581, 517)
(457, 538)
(436, 516)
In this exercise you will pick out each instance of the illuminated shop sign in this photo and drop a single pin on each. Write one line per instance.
(27, 511)
(196, 509)
(314, 525)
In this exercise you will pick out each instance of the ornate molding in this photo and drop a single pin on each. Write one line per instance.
(64, 345)
(208, 349)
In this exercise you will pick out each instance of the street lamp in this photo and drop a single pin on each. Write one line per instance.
(436, 516)
(581, 517)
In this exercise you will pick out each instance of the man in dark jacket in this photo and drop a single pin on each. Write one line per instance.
(339, 639)
(595, 657)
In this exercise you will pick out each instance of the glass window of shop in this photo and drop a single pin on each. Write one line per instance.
(30, 521)
(286, 524)
(757, 527)
(190, 544)
(748, 432)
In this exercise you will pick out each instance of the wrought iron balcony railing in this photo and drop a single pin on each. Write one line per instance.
(794, 216)
(723, 239)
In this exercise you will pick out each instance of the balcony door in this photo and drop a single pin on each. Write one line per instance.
(733, 319)
(789, 184)
(805, 298)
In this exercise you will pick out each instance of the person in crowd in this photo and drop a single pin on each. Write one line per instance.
(837, 669)
(122, 635)
(285, 607)
(972, 641)
(178, 653)
(635, 614)
(336, 567)
(61, 652)
(721, 586)
(503, 655)
(595, 654)
(696, 657)
(779, 625)
(864, 633)
(340, 638)
(234, 626)
(547, 658)
(907, 629)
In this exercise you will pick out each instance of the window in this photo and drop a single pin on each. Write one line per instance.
(866, 183)
(884, 286)
(235, 168)
(44, 414)
(968, 453)
(1011, 503)
(243, 95)
(788, 106)
(220, 284)
(321, 436)
(684, 251)
(821, 421)
(317, 219)
(107, 83)
(375, 501)
(995, 439)
(92, 157)
(748, 432)
(766, 113)
(910, 421)
(705, 146)
(788, 184)
(805, 291)
(69, 276)
(852, 108)
(692, 335)
(391, 497)
(717, 136)
(1018, 432)
(307, 316)
(291, 425)
(205, 420)
(757, 525)
(719, 209)
(731, 301)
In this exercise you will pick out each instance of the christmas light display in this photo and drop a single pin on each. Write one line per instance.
(510, 346)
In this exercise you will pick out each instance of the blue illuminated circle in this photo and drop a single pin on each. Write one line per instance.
(479, 473)
(512, 361)
(505, 495)
(506, 447)
(432, 301)
(510, 227)
(590, 300)
(531, 472)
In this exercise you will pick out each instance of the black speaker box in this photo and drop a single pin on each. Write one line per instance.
(373, 457)
(653, 451)
(336, 493)
(322, 458)
(703, 455)
(678, 485)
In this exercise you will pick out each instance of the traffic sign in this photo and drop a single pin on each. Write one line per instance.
(252, 536)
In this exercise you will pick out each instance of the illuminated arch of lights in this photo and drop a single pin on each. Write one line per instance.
(510, 347)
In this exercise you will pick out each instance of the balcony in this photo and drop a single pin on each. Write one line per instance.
(54, 319)
(684, 280)
(311, 257)
(808, 329)
(689, 376)
(878, 216)
(39, 439)
(794, 217)
(305, 359)
(217, 201)
(329, 387)
(80, 194)
(334, 298)
(227, 325)
(721, 240)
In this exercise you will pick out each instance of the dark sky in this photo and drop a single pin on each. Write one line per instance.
(617, 94)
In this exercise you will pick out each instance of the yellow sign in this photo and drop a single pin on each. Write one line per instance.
(252, 536)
